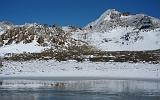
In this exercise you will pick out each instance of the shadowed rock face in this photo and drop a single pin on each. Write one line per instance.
(145, 23)
(1, 82)
(1, 62)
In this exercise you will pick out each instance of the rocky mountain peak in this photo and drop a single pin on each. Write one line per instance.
(110, 14)
(111, 19)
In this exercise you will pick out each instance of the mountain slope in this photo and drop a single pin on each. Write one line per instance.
(116, 31)
(34, 38)
(122, 39)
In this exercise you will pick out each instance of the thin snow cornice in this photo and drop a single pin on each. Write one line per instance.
(109, 12)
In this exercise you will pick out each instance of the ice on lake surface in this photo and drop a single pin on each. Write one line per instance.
(80, 90)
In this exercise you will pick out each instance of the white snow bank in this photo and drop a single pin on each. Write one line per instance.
(52, 68)
(1, 31)
(112, 40)
(20, 48)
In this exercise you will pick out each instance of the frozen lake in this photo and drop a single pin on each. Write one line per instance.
(19, 89)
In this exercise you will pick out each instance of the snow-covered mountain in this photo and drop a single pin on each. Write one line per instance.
(116, 31)
(112, 19)
(112, 31)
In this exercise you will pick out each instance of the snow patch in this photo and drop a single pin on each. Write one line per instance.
(52, 68)
(21, 48)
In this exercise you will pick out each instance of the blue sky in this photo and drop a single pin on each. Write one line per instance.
(70, 12)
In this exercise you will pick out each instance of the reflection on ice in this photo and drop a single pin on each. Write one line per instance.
(79, 90)
(90, 85)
